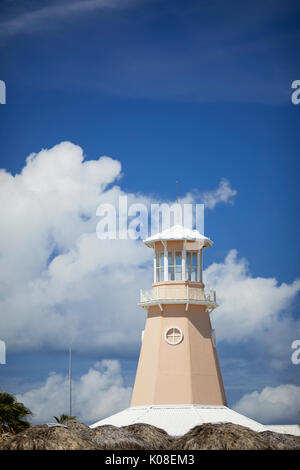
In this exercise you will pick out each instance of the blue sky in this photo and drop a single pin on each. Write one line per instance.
(193, 92)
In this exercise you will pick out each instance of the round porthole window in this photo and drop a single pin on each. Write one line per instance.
(173, 335)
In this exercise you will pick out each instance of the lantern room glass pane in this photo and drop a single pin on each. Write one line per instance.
(188, 264)
(174, 265)
(178, 266)
(171, 270)
(191, 266)
(159, 267)
(194, 267)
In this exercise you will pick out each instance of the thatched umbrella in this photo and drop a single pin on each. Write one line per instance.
(45, 437)
(282, 441)
(80, 428)
(157, 438)
(106, 437)
(227, 436)
(113, 438)
(74, 435)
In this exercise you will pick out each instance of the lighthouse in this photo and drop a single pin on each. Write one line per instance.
(178, 360)
(178, 382)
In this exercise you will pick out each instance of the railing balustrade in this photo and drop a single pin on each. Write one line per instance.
(185, 292)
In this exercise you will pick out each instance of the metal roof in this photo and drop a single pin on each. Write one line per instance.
(178, 232)
(179, 419)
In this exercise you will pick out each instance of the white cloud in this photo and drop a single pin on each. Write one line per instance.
(97, 394)
(51, 15)
(224, 193)
(273, 405)
(59, 282)
(252, 308)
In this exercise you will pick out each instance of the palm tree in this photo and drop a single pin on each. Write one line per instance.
(12, 413)
(63, 417)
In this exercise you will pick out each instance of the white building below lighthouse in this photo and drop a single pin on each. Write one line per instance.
(178, 383)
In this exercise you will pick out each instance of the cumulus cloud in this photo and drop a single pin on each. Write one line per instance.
(224, 193)
(60, 284)
(273, 405)
(253, 308)
(98, 393)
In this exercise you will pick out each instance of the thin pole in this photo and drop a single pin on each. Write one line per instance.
(177, 191)
(70, 381)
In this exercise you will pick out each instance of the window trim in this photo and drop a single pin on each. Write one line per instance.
(180, 335)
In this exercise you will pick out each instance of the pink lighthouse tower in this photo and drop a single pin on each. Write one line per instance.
(178, 383)
(178, 361)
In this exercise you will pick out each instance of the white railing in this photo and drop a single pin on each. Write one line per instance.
(146, 296)
(208, 295)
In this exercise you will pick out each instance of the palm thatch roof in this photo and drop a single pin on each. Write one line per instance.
(114, 438)
(77, 426)
(225, 436)
(107, 437)
(157, 438)
(43, 437)
(74, 435)
(282, 441)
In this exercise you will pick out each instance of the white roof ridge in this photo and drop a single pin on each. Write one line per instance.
(177, 406)
(178, 419)
(178, 232)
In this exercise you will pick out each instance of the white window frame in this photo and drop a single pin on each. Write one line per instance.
(189, 266)
(173, 266)
(159, 274)
(179, 336)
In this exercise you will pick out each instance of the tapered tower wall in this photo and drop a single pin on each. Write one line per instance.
(185, 373)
